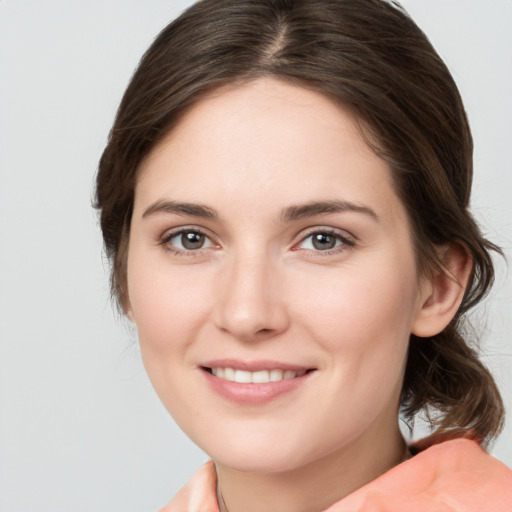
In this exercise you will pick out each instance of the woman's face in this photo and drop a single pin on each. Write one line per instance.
(272, 279)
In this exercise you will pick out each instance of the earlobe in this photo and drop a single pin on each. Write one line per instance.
(445, 290)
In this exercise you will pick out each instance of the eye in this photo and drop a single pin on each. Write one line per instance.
(187, 240)
(324, 240)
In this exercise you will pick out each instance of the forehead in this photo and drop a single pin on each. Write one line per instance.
(266, 142)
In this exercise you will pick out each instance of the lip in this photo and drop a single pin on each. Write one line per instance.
(253, 394)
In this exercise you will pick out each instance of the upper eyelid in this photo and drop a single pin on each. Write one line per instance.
(342, 233)
(171, 232)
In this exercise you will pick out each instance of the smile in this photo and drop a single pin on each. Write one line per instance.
(258, 377)
(256, 382)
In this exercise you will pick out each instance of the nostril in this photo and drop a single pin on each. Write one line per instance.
(264, 331)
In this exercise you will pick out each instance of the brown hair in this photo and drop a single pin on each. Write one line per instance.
(369, 56)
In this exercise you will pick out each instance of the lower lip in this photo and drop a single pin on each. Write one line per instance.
(253, 394)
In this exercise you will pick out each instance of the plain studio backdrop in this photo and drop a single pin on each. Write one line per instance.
(81, 430)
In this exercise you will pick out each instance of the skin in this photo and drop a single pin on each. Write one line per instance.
(258, 289)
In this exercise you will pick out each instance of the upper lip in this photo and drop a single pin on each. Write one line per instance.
(254, 366)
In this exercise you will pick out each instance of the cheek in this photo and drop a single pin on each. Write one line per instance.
(169, 309)
(362, 318)
(167, 303)
(359, 305)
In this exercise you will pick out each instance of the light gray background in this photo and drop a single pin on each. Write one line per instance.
(80, 427)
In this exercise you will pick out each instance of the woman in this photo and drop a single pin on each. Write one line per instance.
(284, 198)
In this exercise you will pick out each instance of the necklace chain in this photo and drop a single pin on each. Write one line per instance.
(220, 500)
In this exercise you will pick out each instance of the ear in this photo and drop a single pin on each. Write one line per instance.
(443, 291)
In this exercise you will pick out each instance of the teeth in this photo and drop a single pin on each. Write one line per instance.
(276, 375)
(242, 376)
(262, 376)
(259, 377)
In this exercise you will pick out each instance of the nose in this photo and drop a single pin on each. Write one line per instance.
(251, 302)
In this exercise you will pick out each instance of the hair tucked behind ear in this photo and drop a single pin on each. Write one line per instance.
(369, 56)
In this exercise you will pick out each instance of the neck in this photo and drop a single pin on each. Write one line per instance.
(315, 486)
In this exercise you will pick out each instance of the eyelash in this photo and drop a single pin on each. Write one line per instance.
(347, 242)
(168, 236)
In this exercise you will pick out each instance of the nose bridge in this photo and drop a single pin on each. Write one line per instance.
(251, 304)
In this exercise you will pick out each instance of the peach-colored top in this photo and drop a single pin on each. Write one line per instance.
(453, 476)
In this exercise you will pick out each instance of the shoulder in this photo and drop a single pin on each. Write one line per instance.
(455, 475)
(199, 494)
(463, 460)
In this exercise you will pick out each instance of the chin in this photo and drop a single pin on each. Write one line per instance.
(267, 463)
(262, 457)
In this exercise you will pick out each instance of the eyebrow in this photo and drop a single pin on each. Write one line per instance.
(294, 212)
(179, 208)
(311, 209)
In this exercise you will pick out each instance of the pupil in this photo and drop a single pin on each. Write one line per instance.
(192, 240)
(322, 241)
